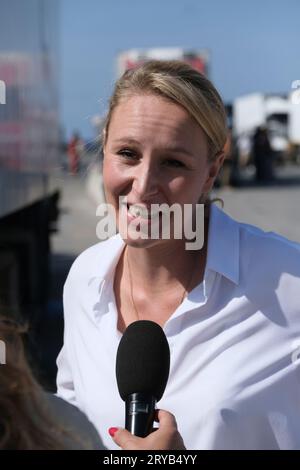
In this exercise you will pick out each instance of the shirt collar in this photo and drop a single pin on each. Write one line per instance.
(103, 263)
(222, 249)
(223, 244)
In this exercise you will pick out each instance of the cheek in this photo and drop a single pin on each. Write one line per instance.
(187, 191)
(113, 179)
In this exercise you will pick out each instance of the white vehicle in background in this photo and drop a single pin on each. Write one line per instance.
(259, 110)
(294, 124)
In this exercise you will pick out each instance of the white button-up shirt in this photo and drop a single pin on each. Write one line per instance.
(234, 379)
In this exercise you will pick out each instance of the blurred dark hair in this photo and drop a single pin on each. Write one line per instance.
(24, 420)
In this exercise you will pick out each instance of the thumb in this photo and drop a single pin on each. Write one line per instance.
(165, 419)
(124, 438)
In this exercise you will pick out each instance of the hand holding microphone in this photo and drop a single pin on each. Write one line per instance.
(166, 437)
(142, 370)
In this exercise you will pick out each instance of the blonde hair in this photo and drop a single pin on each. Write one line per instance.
(180, 83)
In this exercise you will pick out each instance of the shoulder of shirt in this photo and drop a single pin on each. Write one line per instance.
(241, 251)
(92, 260)
(268, 247)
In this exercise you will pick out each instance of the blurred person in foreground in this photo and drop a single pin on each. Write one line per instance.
(229, 308)
(31, 419)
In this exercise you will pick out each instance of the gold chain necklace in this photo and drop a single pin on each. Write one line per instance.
(185, 291)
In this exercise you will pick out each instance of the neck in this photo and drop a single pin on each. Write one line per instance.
(161, 267)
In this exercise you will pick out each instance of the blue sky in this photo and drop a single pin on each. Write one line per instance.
(254, 46)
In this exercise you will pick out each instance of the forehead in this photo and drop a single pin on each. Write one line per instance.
(154, 117)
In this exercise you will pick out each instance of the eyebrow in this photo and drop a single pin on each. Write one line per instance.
(175, 149)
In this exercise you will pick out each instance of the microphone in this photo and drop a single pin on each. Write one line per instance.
(142, 370)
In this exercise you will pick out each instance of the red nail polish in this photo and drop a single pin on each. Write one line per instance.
(112, 431)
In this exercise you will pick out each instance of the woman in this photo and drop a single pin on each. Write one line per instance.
(228, 308)
(31, 419)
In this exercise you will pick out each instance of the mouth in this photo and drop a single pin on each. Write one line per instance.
(142, 211)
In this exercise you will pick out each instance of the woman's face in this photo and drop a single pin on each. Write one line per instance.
(155, 153)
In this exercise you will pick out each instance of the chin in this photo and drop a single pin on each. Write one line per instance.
(140, 242)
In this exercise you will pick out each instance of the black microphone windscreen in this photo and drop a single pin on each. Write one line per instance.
(143, 360)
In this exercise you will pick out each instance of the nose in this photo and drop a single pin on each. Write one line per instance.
(146, 180)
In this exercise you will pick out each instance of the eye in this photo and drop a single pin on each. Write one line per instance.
(174, 163)
(127, 153)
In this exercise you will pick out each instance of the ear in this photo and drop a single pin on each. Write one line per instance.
(214, 168)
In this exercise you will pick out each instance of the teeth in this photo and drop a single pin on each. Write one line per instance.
(135, 211)
(143, 212)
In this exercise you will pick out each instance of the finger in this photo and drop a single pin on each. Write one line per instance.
(125, 439)
(165, 419)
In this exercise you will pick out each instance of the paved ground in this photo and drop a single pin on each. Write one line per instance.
(274, 207)
(76, 231)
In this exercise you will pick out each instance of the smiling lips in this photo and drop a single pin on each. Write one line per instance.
(142, 211)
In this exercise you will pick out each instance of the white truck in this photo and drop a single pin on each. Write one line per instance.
(294, 123)
(275, 112)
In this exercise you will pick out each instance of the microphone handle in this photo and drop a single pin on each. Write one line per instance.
(139, 414)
